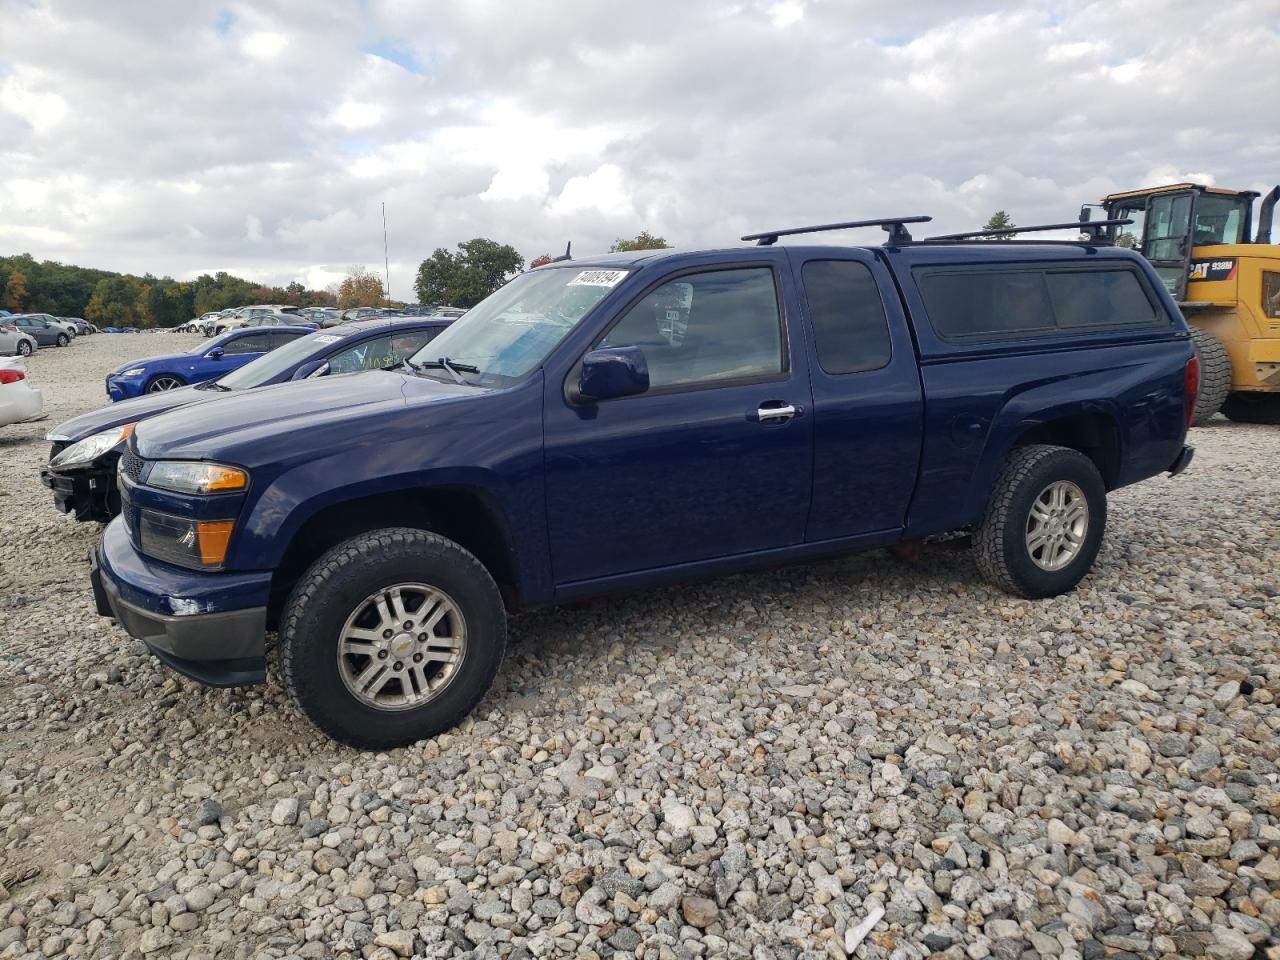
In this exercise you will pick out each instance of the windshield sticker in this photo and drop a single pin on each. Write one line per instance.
(326, 338)
(598, 278)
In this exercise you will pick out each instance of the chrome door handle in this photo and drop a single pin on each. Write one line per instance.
(785, 412)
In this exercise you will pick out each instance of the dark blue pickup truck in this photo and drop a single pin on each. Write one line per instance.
(639, 418)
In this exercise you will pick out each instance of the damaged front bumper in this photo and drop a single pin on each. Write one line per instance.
(209, 627)
(89, 493)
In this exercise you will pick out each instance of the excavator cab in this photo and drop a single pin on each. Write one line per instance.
(1198, 239)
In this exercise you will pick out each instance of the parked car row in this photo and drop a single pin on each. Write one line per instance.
(269, 314)
(21, 334)
(86, 449)
(624, 421)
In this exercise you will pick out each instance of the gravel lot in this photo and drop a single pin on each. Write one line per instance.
(751, 767)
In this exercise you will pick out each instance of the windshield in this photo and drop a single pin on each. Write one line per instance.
(511, 331)
(270, 365)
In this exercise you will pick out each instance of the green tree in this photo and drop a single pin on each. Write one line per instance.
(360, 288)
(644, 240)
(465, 278)
(999, 221)
(15, 292)
(1127, 240)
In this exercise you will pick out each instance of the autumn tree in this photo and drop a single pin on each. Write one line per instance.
(999, 221)
(360, 288)
(541, 261)
(15, 292)
(644, 240)
(465, 278)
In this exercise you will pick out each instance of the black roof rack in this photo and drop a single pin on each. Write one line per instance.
(1090, 227)
(893, 225)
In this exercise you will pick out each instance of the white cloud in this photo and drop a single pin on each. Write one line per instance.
(264, 45)
(265, 143)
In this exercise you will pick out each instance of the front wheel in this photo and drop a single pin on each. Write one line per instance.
(1253, 407)
(164, 382)
(63, 340)
(391, 637)
(1215, 375)
(1044, 522)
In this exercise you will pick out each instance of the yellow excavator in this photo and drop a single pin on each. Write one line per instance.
(1226, 279)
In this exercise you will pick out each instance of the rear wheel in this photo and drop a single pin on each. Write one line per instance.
(24, 348)
(1044, 522)
(1253, 407)
(391, 637)
(164, 382)
(63, 340)
(1215, 375)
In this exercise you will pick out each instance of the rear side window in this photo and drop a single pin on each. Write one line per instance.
(1099, 298)
(850, 329)
(1010, 303)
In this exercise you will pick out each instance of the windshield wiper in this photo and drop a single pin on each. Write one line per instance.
(453, 368)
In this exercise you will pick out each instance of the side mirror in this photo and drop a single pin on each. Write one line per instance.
(611, 372)
(217, 353)
(1086, 214)
(312, 368)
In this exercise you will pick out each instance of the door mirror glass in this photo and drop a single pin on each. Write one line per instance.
(215, 354)
(611, 372)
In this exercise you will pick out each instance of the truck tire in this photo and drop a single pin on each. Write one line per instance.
(1253, 407)
(1044, 523)
(391, 637)
(1215, 375)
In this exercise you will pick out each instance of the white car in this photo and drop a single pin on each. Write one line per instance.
(13, 342)
(18, 399)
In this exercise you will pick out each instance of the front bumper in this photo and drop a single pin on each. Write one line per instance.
(209, 627)
(119, 388)
(89, 493)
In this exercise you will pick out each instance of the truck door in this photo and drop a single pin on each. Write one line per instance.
(868, 415)
(1166, 238)
(715, 459)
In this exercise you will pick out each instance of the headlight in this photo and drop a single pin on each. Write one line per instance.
(132, 372)
(186, 476)
(91, 448)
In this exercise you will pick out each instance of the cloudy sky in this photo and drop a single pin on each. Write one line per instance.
(261, 138)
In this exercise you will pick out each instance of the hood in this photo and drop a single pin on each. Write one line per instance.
(252, 425)
(130, 411)
(147, 361)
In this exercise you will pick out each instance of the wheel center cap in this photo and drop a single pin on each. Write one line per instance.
(401, 645)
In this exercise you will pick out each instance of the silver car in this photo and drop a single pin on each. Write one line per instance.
(14, 343)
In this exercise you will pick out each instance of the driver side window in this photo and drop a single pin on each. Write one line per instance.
(722, 325)
(258, 343)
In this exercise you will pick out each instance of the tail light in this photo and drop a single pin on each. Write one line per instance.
(1190, 388)
(11, 376)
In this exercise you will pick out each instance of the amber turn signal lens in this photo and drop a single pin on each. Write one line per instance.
(221, 479)
(214, 535)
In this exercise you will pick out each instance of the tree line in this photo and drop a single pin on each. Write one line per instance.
(123, 299)
(460, 278)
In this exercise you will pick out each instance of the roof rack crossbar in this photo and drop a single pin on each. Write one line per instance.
(1084, 226)
(893, 225)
